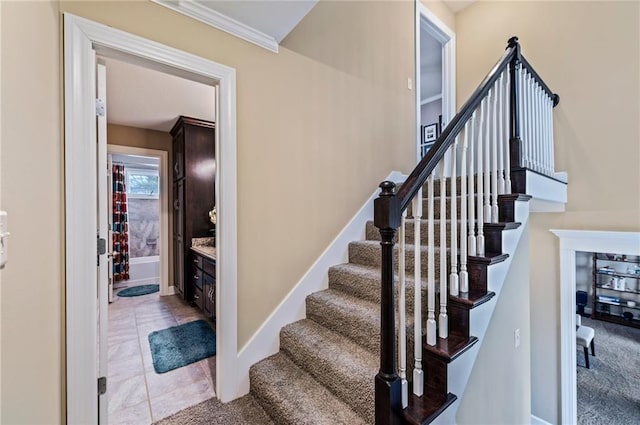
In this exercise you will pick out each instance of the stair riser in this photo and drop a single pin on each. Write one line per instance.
(370, 255)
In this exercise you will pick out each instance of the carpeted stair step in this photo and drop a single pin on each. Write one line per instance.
(364, 282)
(352, 317)
(368, 253)
(335, 361)
(373, 234)
(290, 395)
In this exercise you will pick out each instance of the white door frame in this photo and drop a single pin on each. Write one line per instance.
(441, 32)
(587, 241)
(81, 38)
(165, 188)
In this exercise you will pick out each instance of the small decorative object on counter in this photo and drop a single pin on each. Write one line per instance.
(213, 217)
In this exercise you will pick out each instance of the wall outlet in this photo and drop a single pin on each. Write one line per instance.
(516, 338)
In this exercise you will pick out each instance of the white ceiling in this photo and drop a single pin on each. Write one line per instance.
(430, 65)
(457, 5)
(144, 98)
(273, 17)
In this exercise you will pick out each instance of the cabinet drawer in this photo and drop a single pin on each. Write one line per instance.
(209, 266)
(197, 297)
(197, 279)
(197, 261)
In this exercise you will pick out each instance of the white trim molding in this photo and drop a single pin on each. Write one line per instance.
(537, 421)
(222, 22)
(266, 342)
(441, 32)
(82, 39)
(165, 244)
(570, 242)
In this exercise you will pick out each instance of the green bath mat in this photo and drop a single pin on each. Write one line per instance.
(181, 345)
(136, 291)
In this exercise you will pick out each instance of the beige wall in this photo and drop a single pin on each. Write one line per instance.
(319, 125)
(588, 52)
(499, 389)
(149, 139)
(32, 322)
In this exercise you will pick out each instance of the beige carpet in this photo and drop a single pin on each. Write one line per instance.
(243, 411)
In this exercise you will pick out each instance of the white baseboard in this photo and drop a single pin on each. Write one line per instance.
(265, 342)
(537, 421)
(170, 291)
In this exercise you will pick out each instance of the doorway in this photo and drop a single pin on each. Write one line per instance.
(84, 40)
(435, 77)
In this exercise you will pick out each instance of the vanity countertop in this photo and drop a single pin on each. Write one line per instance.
(204, 246)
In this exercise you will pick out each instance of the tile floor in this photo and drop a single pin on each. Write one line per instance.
(137, 394)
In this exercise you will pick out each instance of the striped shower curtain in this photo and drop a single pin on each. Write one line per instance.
(120, 226)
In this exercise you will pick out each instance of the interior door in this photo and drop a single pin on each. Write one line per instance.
(104, 234)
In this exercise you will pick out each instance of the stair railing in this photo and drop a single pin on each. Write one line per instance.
(506, 125)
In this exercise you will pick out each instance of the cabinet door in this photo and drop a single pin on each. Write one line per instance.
(207, 290)
(178, 267)
(178, 155)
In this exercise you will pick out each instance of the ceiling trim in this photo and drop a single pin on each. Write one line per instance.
(222, 22)
(431, 99)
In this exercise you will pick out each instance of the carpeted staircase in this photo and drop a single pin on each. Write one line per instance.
(324, 372)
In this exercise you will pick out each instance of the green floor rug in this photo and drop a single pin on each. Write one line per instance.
(136, 291)
(181, 345)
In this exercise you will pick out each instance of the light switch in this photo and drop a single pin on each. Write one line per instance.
(3, 239)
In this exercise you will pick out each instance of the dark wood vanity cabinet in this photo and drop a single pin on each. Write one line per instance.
(204, 283)
(194, 170)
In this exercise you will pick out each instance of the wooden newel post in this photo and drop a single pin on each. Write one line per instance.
(515, 142)
(387, 383)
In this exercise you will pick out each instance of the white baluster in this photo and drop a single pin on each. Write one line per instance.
(471, 239)
(530, 120)
(538, 126)
(402, 331)
(487, 157)
(507, 133)
(547, 139)
(494, 155)
(418, 382)
(551, 143)
(523, 118)
(500, 139)
(443, 328)
(454, 288)
(480, 188)
(431, 284)
(464, 275)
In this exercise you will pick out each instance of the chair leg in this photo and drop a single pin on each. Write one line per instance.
(593, 347)
(586, 357)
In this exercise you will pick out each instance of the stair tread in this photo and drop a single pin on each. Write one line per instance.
(448, 349)
(337, 362)
(291, 396)
(423, 410)
(472, 299)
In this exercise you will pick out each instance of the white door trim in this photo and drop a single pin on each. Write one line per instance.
(570, 242)
(165, 188)
(441, 32)
(81, 38)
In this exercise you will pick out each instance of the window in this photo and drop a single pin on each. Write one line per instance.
(142, 183)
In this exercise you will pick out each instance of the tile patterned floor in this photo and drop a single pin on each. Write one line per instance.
(137, 394)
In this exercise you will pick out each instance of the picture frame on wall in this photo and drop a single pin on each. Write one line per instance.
(430, 133)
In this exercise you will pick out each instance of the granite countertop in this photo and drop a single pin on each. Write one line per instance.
(204, 246)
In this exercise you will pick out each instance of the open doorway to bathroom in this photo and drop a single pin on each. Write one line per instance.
(146, 312)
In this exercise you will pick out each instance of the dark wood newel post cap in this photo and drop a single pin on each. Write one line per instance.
(388, 188)
(513, 41)
(556, 99)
